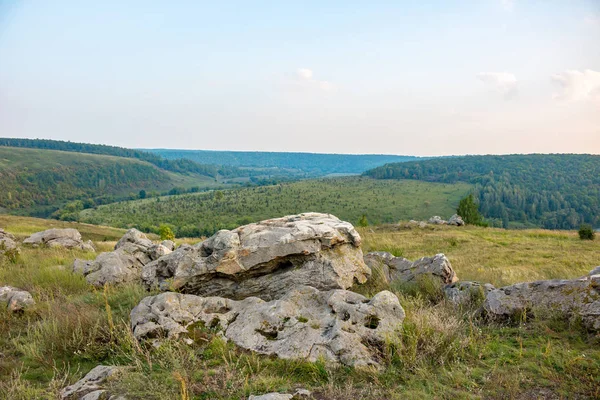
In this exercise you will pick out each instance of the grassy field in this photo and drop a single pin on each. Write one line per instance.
(441, 353)
(348, 198)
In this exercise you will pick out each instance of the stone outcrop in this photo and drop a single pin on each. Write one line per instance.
(8, 243)
(437, 220)
(265, 259)
(124, 264)
(306, 323)
(402, 270)
(68, 238)
(16, 299)
(461, 293)
(92, 386)
(580, 297)
(456, 220)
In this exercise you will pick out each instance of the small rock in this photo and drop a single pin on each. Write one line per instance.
(437, 220)
(91, 386)
(595, 271)
(456, 220)
(403, 270)
(136, 237)
(8, 243)
(461, 293)
(16, 299)
(272, 396)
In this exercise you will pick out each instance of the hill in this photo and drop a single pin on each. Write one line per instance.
(38, 182)
(306, 164)
(554, 191)
(349, 198)
(74, 327)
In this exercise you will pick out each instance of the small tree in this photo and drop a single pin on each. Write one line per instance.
(142, 194)
(586, 232)
(363, 221)
(166, 233)
(469, 211)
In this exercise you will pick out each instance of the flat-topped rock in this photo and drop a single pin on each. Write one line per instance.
(403, 270)
(265, 259)
(68, 238)
(92, 385)
(566, 298)
(16, 299)
(306, 323)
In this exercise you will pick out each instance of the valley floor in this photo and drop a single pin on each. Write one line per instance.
(443, 352)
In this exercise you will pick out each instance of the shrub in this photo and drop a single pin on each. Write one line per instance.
(586, 232)
(166, 233)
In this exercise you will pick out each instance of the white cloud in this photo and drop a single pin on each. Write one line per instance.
(306, 77)
(503, 82)
(578, 85)
(508, 5)
(593, 20)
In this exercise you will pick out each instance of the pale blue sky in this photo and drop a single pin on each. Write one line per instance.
(422, 78)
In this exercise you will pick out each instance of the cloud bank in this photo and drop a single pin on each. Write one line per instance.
(577, 85)
(503, 82)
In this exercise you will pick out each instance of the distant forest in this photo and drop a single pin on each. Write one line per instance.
(178, 165)
(310, 164)
(555, 191)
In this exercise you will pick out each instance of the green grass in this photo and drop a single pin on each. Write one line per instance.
(348, 198)
(442, 352)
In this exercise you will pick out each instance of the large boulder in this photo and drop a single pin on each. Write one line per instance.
(68, 238)
(124, 264)
(580, 297)
(16, 299)
(306, 323)
(456, 220)
(92, 386)
(402, 270)
(265, 259)
(8, 243)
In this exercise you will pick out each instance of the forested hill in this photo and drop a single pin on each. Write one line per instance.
(311, 164)
(178, 165)
(556, 191)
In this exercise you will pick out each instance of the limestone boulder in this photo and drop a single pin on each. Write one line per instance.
(299, 394)
(16, 300)
(265, 259)
(92, 385)
(67, 238)
(580, 297)
(124, 264)
(8, 243)
(595, 271)
(462, 293)
(306, 323)
(456, 220)
(437, 220)
(400, 269)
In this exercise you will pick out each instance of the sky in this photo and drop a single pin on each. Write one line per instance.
(445, 77)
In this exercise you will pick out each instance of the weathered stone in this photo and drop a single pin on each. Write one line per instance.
(437, 220)
(91, 386)
(169, 244)
(133, 236)
(579, 297)
(306, 323)
(461, 293)
(124, 264)
(456, 220)
(272, 396)
(68, 238)
(8, 244)
(15, 299)
(595, 271)
(265, 259)
(403, 270)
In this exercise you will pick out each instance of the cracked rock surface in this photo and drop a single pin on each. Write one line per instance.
(265, 259)
(403, 270)
(339, 325)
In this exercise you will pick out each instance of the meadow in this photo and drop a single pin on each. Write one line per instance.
(349, 198)
(441, 352)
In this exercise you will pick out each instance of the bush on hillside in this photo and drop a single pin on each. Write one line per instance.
(586, 232)
(166, 233)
